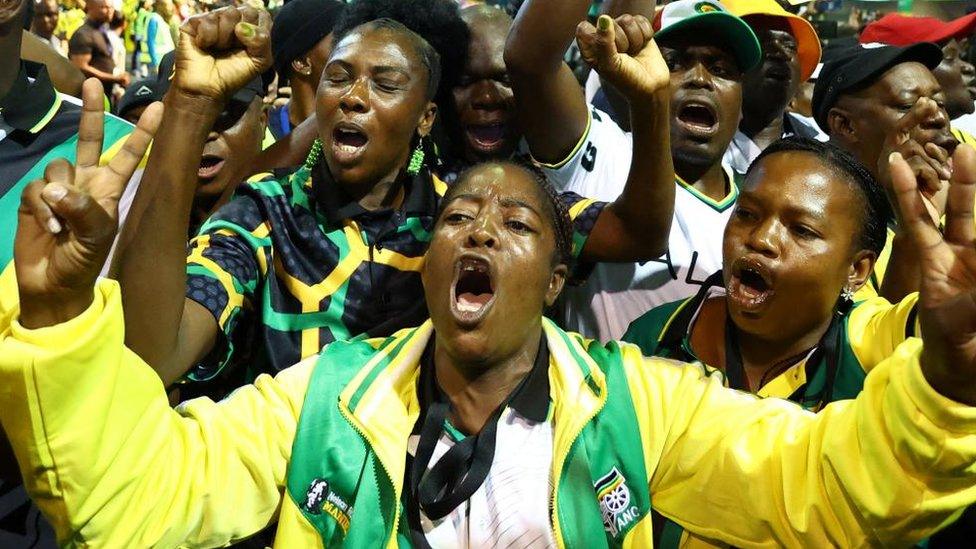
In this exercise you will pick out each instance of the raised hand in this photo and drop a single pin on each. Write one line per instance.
(221, 51)
(624, 53)
(947, 299)
(928, 161)
(68, 220)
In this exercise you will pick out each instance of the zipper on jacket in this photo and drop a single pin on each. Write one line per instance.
(561, 461)
(396, 515)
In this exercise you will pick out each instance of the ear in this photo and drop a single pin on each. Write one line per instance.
(302, 66)
(556, 283)
(861, 268)
(427, 119)
(841, 125)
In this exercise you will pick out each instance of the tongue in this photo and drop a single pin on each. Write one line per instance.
(469, 302)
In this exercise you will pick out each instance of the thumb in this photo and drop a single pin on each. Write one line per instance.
(88, 221)
(597, 45)
(256, 39)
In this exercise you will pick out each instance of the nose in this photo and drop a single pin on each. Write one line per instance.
(486, 96)
(698, 77)
(357, 98)
(763, 239)
(482, 235)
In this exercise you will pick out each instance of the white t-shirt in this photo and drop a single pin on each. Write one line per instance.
(743, 150)
(511, 508)
(617, 293)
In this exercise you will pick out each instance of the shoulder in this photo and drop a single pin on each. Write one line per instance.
(647, 329)
(254, 203)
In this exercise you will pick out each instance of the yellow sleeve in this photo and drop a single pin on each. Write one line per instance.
(876, 328)
(884, 469)
(112, 465)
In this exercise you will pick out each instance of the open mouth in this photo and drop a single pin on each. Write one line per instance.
(348, 142)
(750, 285)
(698, 119)
(210, 166)
(472, 294)
(487, 137)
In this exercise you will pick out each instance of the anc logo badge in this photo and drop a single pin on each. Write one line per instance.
(706, 7)
(615, 502)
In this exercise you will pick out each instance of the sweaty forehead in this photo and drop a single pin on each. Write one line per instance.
(696, 46)
(498, 183)
(802, 181)
(377, 47)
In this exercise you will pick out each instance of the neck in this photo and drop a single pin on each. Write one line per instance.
(476, 390)
(709, 180)
(763, 131)
(760, 354)
(9, 62)
(302, 103)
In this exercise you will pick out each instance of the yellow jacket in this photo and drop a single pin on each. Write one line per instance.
(111, 464)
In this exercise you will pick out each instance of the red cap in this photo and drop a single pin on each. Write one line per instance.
(901, 30)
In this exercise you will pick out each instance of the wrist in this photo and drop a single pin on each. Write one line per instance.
(184, 104)
(54, 308)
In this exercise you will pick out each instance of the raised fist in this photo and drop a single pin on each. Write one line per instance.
(221, 51)
(624, 53)
(68, 220)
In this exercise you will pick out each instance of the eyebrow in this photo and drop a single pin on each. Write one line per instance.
(505, 202)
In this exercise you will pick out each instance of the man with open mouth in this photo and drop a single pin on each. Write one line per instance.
(707, 51)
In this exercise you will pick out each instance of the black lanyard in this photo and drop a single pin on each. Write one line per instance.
(827, 349)
(463, 468)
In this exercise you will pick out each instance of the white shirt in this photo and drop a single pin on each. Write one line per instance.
(511, 508)
(743, 150)
(966, 123)
(617, 293)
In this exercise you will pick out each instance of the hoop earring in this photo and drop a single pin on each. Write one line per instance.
(314, 155)
(416, 159)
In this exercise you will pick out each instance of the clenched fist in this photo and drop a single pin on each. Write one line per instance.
(624, 53)
(221, 51)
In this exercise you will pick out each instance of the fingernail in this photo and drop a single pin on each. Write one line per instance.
(603, 23)
(893, 156)
(248, 30)
(54, 192)
(53, 225)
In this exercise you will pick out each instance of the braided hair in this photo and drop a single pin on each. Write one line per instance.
(555, 209)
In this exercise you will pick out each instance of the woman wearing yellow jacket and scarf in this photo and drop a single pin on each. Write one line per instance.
(405, 441)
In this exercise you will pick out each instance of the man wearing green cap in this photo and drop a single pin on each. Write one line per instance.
(708, 50)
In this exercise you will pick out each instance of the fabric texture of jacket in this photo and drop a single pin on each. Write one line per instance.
(322, 446)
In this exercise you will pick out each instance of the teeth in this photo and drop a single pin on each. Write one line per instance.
(348, 148)
(467, 307)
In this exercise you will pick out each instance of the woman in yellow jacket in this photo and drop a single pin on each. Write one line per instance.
(487, 424)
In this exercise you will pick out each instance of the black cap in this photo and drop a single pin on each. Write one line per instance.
(258, 86)
(139, 92)
(858, 67)
(299, 26)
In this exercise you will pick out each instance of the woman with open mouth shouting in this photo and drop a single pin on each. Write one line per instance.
(334, 250)
(485, 425)
(779, 319)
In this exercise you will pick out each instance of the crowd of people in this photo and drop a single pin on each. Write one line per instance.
(429, 273)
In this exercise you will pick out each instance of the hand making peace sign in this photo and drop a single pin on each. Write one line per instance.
(947, 300)
(68, 220)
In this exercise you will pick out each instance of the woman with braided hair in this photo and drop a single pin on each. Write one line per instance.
(336, 249)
